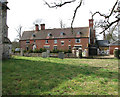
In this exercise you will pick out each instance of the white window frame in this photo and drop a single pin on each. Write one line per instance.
(55, 41)
(62, 42)
(55, 46)
(46, 41)
(76, 40)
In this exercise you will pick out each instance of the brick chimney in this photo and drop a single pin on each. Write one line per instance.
(91, 23)
(42, 26)
(36, 27)
(92, 32)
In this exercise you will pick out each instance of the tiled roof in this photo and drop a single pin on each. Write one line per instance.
(56, 33)
(103, 43)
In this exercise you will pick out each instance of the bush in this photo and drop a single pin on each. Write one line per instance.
(24, 51)
(54, 51)
(57, 51)
(44, 50)
(40, 50)
(30, 51)
(69, 51)
(117, 53)
(13, 50)
(36, 51)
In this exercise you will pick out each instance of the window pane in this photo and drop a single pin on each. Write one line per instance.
(55, 41)
(62, 42)
(55, 47)
(46, 41)
(77, 40)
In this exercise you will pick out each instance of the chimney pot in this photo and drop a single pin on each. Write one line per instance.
(42, 26)
(36, 27)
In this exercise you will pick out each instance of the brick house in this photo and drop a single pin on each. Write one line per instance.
(60, 38)
(5, 43)
(115, 44)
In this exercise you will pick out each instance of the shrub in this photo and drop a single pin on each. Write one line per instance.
(44, 50)
(54, 51)
(40, 50)
(36, 51)
(24, 51)
(117, 53)
(13, 50)
(30, 51)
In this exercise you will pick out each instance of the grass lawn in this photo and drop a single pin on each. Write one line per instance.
(53, 76)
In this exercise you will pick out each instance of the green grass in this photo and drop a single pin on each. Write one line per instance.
(53, 76)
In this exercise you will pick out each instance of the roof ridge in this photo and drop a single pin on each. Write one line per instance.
(57, 29)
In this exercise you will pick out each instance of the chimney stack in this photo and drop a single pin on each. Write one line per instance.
(42, 26)
(91, 23)
(36, 27)
(92, 32)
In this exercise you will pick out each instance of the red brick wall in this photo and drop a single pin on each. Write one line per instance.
(112, 48)
(41, 43)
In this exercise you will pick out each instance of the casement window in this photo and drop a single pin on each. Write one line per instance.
(27, 41)
(55, 47)
(62, 42)
(77, 40)
(55, 41)
(69, 40)
(46, 41)
(69, 47)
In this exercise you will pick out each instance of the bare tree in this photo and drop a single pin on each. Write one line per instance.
(113, 34)
(19, 32)
(105, 24)
(62, 25)
(60, 4)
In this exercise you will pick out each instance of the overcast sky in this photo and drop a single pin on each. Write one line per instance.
(25, 12)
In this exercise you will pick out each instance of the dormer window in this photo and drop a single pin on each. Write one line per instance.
(33, 35)
(62, 33)
(78, 33)
(77, 40)
(49, 34)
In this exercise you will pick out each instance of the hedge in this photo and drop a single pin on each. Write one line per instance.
(117, 53)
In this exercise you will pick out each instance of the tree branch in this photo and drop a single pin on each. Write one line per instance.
(58, 5)
(75, 13)
(108, 26)
(106, 16)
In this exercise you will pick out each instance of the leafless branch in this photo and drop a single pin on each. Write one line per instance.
(108, 26)
(106, 16)
(58, 5)
(75, 13)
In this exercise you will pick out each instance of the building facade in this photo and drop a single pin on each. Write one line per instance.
(114, 45)
(52, 39)
(5, 44)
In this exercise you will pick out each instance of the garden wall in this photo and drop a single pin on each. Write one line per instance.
(67, 55)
